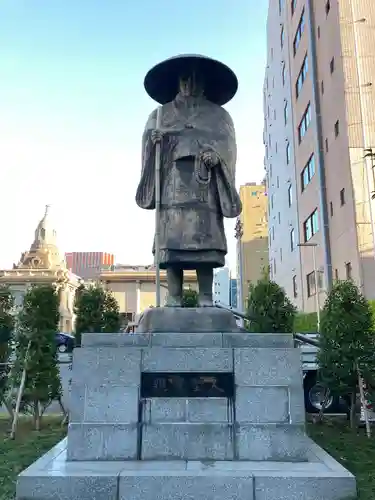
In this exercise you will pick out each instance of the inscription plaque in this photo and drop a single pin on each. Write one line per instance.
(187, 385)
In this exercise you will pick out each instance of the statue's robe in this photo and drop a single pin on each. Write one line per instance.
(193, 199)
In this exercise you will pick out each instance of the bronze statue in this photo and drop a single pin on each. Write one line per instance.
(197, 168)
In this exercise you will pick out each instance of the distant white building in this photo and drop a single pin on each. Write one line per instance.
(221, 286)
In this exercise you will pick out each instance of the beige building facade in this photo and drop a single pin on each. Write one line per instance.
(252, 238)
(319, 134)
(42, 264)
(134, 287)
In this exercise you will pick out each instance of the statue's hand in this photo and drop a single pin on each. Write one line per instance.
(156, 136)
(210, 159)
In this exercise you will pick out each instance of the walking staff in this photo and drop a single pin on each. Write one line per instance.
(157, 208)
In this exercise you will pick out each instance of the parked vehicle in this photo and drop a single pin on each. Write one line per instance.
(314, 391)
(64, 342)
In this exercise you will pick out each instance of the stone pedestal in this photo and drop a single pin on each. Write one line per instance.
(187, 320)
(224, 420)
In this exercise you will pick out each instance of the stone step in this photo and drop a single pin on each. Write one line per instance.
(320, 478)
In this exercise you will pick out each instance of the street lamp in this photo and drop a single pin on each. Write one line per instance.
(238, 233)
(317, 298)
(370, 153)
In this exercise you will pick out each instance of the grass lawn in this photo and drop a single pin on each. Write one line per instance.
(17, 454)
(352, 449)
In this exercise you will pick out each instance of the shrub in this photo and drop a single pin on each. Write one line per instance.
(347, 347)
(6, 333)
(37, 324)
(96, 310)
(189, 298)
(306, 323)
(269, 309)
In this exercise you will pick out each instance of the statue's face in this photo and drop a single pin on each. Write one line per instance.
(190, 86)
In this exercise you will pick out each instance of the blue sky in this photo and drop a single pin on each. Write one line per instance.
(73, 108)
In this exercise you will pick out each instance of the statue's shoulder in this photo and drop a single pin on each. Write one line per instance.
(219, 111)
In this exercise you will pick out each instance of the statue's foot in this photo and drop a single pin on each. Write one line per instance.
(205, 301)
(174, 302)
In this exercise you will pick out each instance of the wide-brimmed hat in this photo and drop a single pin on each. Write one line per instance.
(162, 81)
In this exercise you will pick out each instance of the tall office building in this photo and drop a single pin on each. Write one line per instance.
(252, 245)
(319, 135)
(221, 286)
(89, 265)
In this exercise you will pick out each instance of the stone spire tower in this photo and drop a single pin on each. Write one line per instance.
(44, 252)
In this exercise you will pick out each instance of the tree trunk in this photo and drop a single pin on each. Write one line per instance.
(320, 417)
(352, 409)
(37, 416)
(363, 403)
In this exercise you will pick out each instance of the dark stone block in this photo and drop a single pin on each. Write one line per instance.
(187, 320)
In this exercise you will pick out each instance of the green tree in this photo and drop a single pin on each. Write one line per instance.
(269, 309)
(96, 310)
(6, 333)
(189, 298)
(347, 347)
(37, 325)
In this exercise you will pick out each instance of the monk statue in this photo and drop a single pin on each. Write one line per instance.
(197, 168)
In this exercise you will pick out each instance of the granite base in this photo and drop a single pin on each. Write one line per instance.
(52, 476)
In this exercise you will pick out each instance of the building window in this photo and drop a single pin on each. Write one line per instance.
(287, 153)
(282, 36)
(311, 285)
(299, 32)
(328, 7)
(286, 112)
(272, 201)
(281, 254)
(281, 6)
(277, 182)
(318, 31)
(283, 73)
(304, 124)
(279, 217)
(295, 289)
(332, 65)
(331, 208)
(290, 195)
(311, 226)
(274, 266)
(273, 233)
(337, 128)
(302, 76)
(327, 147)
(342, 197)
(293, 6)
(348, 271)
(322, 87)
(308, 172)
(292, 240)
(336, 274)
(254, 193)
